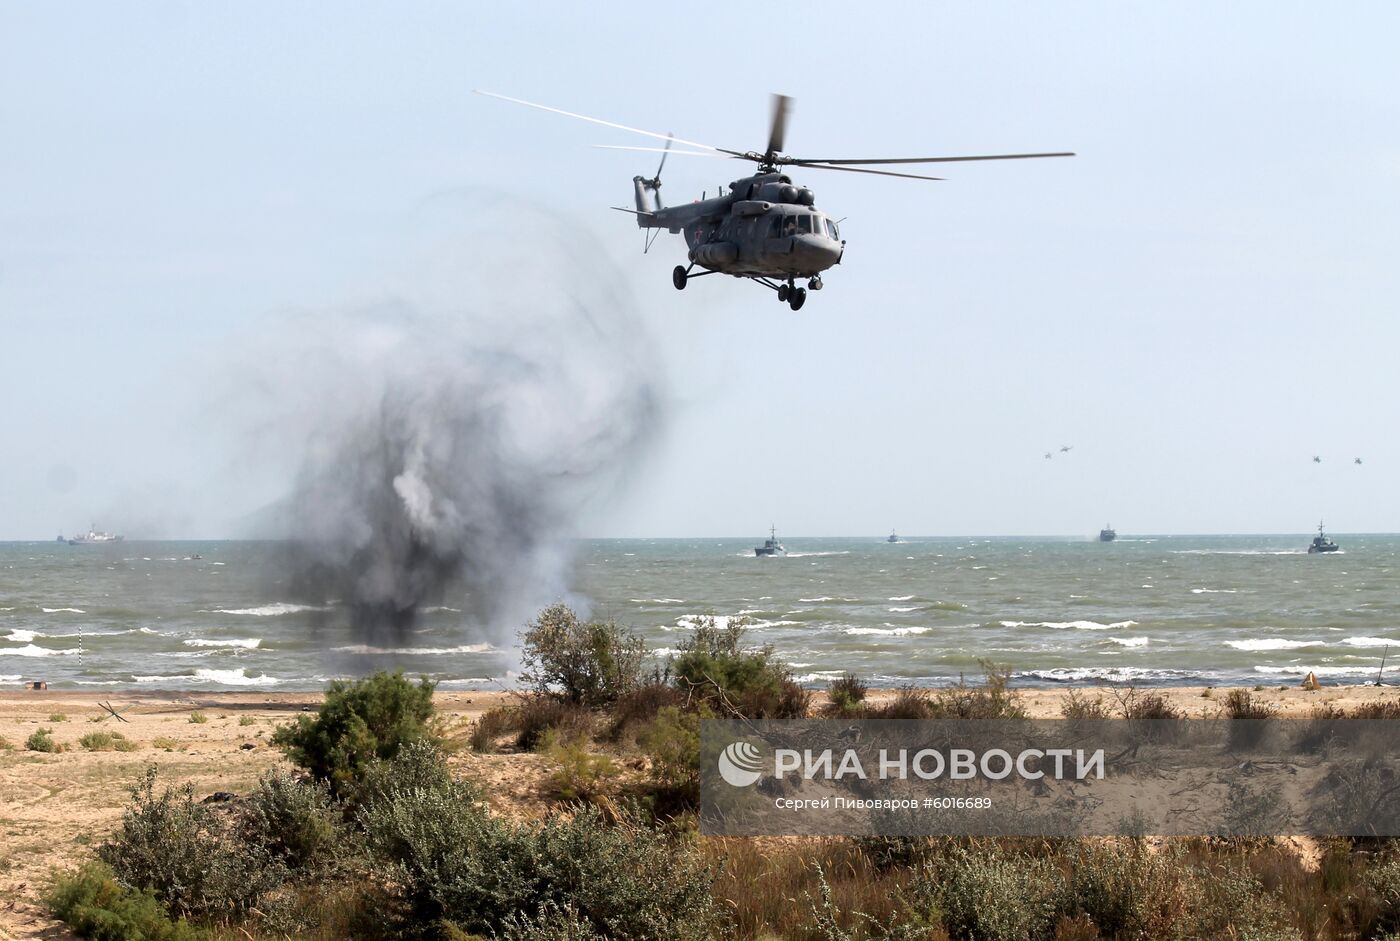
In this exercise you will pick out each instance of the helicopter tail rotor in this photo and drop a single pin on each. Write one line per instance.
(652, 188)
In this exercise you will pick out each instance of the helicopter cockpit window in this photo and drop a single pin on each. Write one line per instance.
(775, 228)
(804, 224)
(832, 231)
(789, 226)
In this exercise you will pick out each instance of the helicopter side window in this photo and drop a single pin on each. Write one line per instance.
(775, 227)
(789, 226)
(832, 231)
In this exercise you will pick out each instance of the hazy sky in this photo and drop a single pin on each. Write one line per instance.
(1201, 301)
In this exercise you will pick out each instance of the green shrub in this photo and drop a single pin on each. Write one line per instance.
(179, 849)
(107, 741)
(551, 923)
(591, 663)
(672, 742)
(246, 721)
(360, 722)
(451, 859)
(198, 718)
(992, 895)
(58, 717)
(294, 822)
(1127, 892)
(41, 740)
(846, 695)
(1383, 883)
(993, 699)
(714, 666)
(5, 744)
(578, 775)
(909, 702)
(95, 905)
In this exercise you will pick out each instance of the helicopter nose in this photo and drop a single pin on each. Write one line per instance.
(818, 252)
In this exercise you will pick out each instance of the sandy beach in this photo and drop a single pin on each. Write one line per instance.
(54, 808)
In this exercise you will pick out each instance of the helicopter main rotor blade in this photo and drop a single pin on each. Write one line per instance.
(663, 150)
(882, 160)
(827, 166)
(778, 128)
(621, 127)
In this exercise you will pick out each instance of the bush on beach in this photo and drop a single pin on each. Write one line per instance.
(360, 722)
(586, 663)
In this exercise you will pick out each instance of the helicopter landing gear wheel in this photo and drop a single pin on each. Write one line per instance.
(797, 298)
(815, 284)
(783, 292)
(678, 277)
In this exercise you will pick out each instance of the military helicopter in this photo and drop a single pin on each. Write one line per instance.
(766, 228)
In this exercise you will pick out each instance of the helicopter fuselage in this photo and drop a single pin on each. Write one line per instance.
(764, 227)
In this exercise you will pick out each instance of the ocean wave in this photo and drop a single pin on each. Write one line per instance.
(10, 678)
(820, 675)
(413, 651)
(893, 631)
(270, 610)
(1274, 643)
(222, 677)
(1129, 641)
(658, 601)
(804, 555)
(1371, 642)
(1214, 591)
(1103, 674)
(1239, 551)
(22, 637)
(247, 643)
(63, 610)
(903, 610)
(1304, 671)
(32, 650)
(1072, 625)
(902, 598)
(721, 621)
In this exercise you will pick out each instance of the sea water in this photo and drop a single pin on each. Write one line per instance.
(1152, 610)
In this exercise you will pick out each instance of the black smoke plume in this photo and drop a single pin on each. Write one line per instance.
(447, 437)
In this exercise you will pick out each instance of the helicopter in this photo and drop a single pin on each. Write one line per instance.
(766, 228)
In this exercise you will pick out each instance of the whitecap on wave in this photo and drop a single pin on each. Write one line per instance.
(1129, 641)
(1371, 642)
(1214, 591)
(658, 600)
(21, 637)
(1075, 625)
(903, 598)
(1320, 670)
(820, 675)
(33, 650)
(246, 643)
(222, 677)
(270, 610)
(411, 651)
(1103, 674)
(63, 610)
(892, 632)
(1273, 643)
(903, 610)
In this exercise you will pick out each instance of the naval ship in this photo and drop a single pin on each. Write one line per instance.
(1108, 534)
(93, 536)
(1321, 543)
(770, 546)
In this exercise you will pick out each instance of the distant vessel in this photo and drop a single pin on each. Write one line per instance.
(92, 536)
(1321, 543)
(770, 546)
(893, 537)
(1108, 534)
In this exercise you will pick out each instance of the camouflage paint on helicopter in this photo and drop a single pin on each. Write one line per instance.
(766, 228)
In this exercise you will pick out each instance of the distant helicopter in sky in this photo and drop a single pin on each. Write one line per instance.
(1066, 448)
(766, 228)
